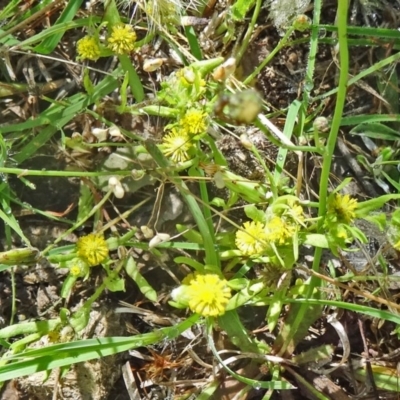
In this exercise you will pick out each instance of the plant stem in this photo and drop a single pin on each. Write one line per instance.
(337, 117)
(282, 43)
(238, 56)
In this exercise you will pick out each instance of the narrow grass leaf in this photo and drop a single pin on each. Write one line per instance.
(60, 355)
(49, 44)
(376, 130)
(287, 131)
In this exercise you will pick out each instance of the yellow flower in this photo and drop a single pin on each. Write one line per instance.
(343, 208)
(252, 239)
(78, 268)
(278, 230)
(88, 48)
(75, 270)
(92, 248)
(194, 122)
(122, 39)
(54, 336)
(208, 295)
(297, 213)
(176, 146)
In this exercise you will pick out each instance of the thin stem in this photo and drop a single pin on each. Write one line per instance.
(238, 56)
(332, 139)
(282, 43)
(67, 174)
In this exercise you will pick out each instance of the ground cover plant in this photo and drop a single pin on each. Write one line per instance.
(202, 194)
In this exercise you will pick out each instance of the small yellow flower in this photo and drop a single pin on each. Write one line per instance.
(343, 208)
(122, 39)
(78, 267)
(176, 146)
(54, 336)
(297, 213)
(341, 233)
(208, 295)
(92, 248)
(252, 239)
(194, 122)
(75, 270)
(278, 230)
(88, 48)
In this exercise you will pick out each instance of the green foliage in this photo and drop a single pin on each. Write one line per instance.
(253, 260)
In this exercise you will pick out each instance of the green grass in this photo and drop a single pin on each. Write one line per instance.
(326, 223)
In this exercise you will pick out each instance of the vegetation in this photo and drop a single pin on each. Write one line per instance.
(228, 261)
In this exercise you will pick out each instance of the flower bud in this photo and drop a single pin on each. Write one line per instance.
(321, 125)
(301, 23)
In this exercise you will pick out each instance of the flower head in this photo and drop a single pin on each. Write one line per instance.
(176, 145)
(88, 48)
(78, 267)
(343, 208)
(193, 122)
(122, 39)
(278, 230)
(92, 248)
(208, 294)
(296, 213)
(252, 239)
(54, 336)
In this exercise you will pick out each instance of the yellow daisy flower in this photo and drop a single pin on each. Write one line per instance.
(208, 295)
(176, 146)
(252, 239)
(277, 230)
(122, 39)
(343, 208)
(194, 122)
(92, 248)
(88, 48)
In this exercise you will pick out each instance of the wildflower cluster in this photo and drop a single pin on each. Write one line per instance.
(121, 40)
(276, 227)
(207, 294)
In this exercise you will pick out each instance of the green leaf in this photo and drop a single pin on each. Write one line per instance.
(364, 208)
(254, 213)
(67, 286)
(59, 355)
(133, 271)
(68, 14)
(190, 234)
(316, 240)
(241, 8)
(115, 284)
(19, 256)
(376, 131)
(377, 219)
(190, 262)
